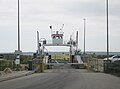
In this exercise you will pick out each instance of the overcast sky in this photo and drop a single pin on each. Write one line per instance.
(38, 15)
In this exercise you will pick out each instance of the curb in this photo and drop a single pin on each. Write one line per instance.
(16, 76)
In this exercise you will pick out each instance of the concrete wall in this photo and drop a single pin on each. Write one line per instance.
(96, 65)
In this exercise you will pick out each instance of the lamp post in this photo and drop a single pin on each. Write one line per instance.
(107, 30)
(18, 52)
(18, 28)
(84, 33)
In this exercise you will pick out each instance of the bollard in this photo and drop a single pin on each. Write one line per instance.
(42, 66)
(88, 67)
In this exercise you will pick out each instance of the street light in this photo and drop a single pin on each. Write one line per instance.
(107, 30)
(84, 33)
(18, 52)
(18, 28)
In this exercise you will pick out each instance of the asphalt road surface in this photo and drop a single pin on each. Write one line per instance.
(64, 79)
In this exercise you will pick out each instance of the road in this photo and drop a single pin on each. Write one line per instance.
(64, 79)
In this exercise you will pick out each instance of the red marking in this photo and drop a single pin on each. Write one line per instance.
(57, 34)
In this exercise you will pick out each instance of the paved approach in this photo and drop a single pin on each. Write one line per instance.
(64, 79)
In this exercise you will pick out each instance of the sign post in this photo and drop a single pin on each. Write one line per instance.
(17, 60)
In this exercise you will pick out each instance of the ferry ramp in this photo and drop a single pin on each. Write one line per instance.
(64, 79)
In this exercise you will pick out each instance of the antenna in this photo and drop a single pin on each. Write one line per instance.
(51, 29)
(61, 28)
(70, 37)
